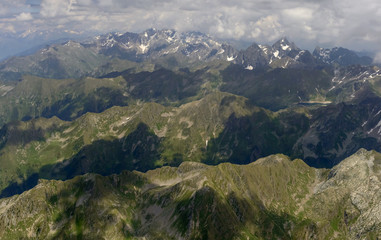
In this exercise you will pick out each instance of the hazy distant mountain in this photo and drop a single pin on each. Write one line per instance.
(157, 43)
(341, 56)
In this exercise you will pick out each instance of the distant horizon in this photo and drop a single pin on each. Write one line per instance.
(238, 44)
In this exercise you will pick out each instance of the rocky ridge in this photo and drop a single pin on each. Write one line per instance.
(273, 197)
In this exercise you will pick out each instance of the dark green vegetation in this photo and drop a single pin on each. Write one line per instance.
(271, 198)
(79, 120)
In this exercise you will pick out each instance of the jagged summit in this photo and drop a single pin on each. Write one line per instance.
(284, 45)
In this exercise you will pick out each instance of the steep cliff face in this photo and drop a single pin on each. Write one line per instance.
(271, 198)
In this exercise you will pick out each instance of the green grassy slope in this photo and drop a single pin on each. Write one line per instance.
(271, 198)
(219, 127)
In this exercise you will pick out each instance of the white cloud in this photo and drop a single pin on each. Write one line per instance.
(24, 17)
(54, 8)
(299, 13)
(9, 7)
(267, 28)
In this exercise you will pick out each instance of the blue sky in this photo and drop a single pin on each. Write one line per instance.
(327, 23)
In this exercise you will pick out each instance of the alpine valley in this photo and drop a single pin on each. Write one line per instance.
(169, 135)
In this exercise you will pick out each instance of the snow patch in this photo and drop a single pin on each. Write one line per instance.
(123, 45)
(109, 42)
(144, 48)
(286, 64)
(229, 59)
(285, 47)
(249, 67)
(377, 126)
(264, 49)
(276, 54)
(298, 56)
(221, 51)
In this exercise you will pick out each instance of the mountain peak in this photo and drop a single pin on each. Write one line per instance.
(284, 40)
(284, 45)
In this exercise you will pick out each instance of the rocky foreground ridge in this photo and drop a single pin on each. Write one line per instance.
(273, 197)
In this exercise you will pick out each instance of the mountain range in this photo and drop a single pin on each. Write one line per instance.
(93, 57)
(169, 135)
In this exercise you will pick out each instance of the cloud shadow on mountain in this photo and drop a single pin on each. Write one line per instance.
(137, 151)
(245, 139)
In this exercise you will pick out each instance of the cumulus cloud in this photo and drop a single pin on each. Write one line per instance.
(328, 23)
(24, 17)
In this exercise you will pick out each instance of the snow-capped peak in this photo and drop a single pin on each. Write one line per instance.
(284, 45)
